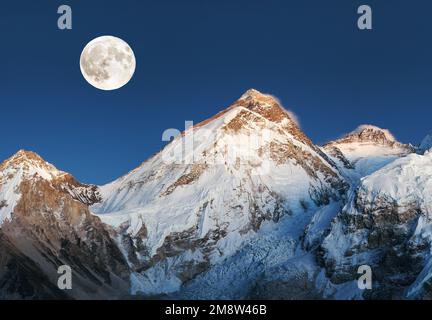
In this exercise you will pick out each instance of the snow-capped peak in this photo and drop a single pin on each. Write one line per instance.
(252, 93)
(426, 143)
(24, 156)
(29, 164)
(370, 133)
(257, 105)
(266, 105)
(367, 134)
(366, 149)
(248, 166)
(254, 106)
(24, 165)
(257, 96)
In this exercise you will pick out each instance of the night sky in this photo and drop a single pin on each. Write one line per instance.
(194, 58)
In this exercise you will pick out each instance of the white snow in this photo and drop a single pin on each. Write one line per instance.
(407, 180)
(369, 157)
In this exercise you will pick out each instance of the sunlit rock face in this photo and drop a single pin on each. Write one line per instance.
(46, 224)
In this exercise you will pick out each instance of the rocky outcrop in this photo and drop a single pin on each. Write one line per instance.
(385, 225)
(371, 134)
(50, 226)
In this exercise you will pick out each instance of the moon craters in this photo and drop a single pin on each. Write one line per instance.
(107, 63)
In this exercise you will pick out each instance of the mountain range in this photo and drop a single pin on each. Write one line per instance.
(240, 206)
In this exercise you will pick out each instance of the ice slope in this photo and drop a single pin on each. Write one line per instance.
(275, 245)
(274, 264)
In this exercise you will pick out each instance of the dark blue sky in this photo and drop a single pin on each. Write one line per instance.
(196, 57)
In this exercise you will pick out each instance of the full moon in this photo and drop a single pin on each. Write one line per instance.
(107, 63)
